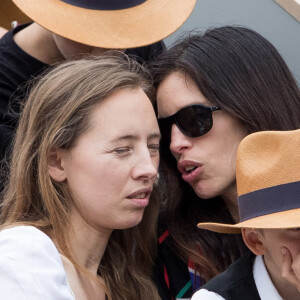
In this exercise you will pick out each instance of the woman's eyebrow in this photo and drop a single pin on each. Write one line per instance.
(125, 138)
(154, 135)
(135, 137)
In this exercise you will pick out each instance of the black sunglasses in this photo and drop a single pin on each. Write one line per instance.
(193, 121)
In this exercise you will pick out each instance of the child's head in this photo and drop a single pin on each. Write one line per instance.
(268, 184)
(269, 243)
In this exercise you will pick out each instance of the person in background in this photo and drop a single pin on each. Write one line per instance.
(268, 198)
(78, 218)
(67, 29)
(213, 89)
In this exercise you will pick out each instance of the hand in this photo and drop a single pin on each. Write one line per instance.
(290, 269)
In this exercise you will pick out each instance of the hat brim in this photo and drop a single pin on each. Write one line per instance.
(138, 26)
(280, 220)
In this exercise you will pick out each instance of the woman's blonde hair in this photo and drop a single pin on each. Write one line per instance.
(56, 112)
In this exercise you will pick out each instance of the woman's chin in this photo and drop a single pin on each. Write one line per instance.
(204, 191)
(131, 222)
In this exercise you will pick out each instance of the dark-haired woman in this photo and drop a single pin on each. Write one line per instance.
(212, 90)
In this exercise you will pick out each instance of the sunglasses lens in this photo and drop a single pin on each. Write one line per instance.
(194, 120)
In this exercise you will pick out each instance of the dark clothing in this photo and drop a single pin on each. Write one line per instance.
(18, 67)
(147, 53)
(237, 282)
(178, 278)
(174, 278)
(171, 274)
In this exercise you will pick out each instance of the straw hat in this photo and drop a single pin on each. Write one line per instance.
(268, 182)
(114, 24)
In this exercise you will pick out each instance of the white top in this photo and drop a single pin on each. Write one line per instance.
(31, 267)
(265, 286)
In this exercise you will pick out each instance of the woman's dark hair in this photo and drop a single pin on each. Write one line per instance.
(238, 70)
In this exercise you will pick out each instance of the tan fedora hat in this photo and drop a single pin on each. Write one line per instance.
(114, 24)
(268, 182)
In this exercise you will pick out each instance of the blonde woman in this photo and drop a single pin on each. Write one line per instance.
(78, 215)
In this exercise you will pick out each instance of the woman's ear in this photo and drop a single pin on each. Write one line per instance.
(254, 240)
(55, 166)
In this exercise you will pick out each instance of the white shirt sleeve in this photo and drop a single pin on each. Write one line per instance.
(204, 294)
(31, 267)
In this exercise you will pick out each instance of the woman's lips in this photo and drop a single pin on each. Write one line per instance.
(190, 170)
(139, 202)
(193, 175)
(140, 197)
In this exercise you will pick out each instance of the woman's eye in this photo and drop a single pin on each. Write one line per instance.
(154, 148)
(123, 151)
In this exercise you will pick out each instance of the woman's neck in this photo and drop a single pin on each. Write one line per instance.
(230, 199)
(88, 244)
(39, 43)
(87, 247)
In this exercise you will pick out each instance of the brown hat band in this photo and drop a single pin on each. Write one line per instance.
(269, 200)
(104, 4)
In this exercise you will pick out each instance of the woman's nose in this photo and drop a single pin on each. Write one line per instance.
(146, 167)
(179, 141)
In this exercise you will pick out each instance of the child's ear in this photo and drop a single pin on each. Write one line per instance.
(55, 165)
(254, 240)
